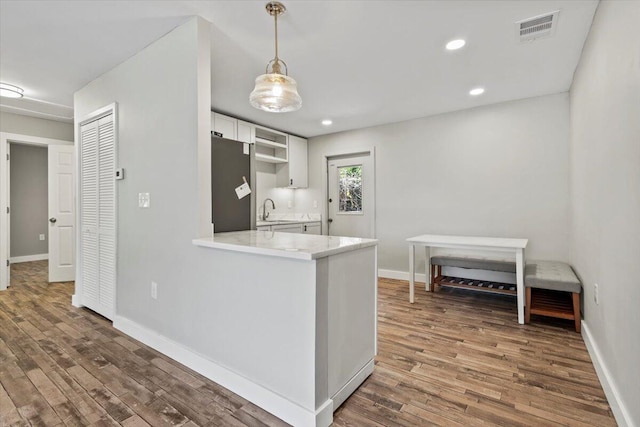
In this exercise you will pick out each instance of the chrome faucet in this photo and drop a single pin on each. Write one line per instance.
(265, 214)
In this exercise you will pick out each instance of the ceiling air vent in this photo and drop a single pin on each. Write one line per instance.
(537, 27)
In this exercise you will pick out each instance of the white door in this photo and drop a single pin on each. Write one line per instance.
(98, 216)
(61, 214)
(351, 191)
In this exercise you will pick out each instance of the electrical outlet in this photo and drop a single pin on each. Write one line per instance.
(596, 297)
(42, 237)
(154, 290)
(315, 204)
(290, 204)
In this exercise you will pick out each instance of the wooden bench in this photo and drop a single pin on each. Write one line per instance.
(552, 289)
(437, 279)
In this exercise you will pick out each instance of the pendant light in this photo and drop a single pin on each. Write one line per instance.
(276, 92)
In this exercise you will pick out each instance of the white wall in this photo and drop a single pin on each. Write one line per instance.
(266, 188)
(499, 170)
(158, 94)
(605, 190)
(164, 103)
(27, 125)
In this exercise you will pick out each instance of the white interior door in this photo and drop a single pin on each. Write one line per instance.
(98, 216)
(61, 214)
(351, 191)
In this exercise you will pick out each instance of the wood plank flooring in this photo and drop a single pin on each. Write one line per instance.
(452, 358)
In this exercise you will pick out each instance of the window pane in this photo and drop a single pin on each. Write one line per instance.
(350, 188)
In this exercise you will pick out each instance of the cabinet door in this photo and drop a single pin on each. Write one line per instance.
(293, 174)
(227, 126)
(246, 132)
(289, 228)
(312, 228)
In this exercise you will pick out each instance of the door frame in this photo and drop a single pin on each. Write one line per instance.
(7, 138)
(76, 298)
(325, 185)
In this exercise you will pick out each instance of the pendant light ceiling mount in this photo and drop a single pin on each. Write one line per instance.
(275, 91)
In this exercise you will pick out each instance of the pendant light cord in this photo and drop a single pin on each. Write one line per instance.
(275, 16)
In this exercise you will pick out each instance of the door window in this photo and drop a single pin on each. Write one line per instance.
(350, 189)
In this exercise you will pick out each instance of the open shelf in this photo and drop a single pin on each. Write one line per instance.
(271, 145)
(269, 159)
(268, 143)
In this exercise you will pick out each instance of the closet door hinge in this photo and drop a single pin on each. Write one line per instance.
(8, 209)
(7, 157)
(7, 263)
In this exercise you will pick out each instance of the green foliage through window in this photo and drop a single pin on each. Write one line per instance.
(350, 189)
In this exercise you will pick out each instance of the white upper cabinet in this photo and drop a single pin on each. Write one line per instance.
(246, 132)
(293, 174)
(225, 125)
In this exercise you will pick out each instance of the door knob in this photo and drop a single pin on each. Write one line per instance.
(52, 220)
(330, 220)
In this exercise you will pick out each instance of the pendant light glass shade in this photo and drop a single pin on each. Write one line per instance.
(275, 92)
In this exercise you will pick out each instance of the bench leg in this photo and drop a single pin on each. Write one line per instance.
(433, 278)
(527, 307)
(576, 310)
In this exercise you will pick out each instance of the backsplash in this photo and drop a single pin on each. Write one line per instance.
(274, 216)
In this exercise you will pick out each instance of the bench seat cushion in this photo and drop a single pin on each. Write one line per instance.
(475, 263)
(554, 275)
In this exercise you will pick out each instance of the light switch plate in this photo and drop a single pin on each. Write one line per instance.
(42, 237)
(144, 200)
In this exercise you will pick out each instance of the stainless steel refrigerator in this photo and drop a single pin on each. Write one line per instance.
(232, 162)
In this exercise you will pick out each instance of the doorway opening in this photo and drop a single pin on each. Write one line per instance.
(28, 203)
(37, 213)
(350, 191)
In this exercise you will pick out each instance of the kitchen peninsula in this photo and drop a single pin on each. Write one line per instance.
(306, 319)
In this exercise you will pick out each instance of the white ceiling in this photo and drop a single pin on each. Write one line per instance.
(359, 63)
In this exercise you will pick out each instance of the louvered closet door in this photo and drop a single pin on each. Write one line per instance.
(98, 216)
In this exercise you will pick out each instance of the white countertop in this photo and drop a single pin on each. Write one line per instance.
(285, 245)
(260, 223)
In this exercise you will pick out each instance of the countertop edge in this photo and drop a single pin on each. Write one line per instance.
(207, 242)
(203, 242)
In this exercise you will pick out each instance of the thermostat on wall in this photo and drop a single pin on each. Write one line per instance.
(120, 173)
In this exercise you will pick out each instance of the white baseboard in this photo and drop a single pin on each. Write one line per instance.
(620, 412)
(353, 384)
(400, 275)
(260, 396)
(28, 258)
(75, 301)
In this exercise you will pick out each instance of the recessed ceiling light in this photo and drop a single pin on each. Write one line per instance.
(326, 122)
(455, 44)
(476, 91)
(10, 91)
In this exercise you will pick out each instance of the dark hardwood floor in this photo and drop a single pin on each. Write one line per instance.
(452, 358)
